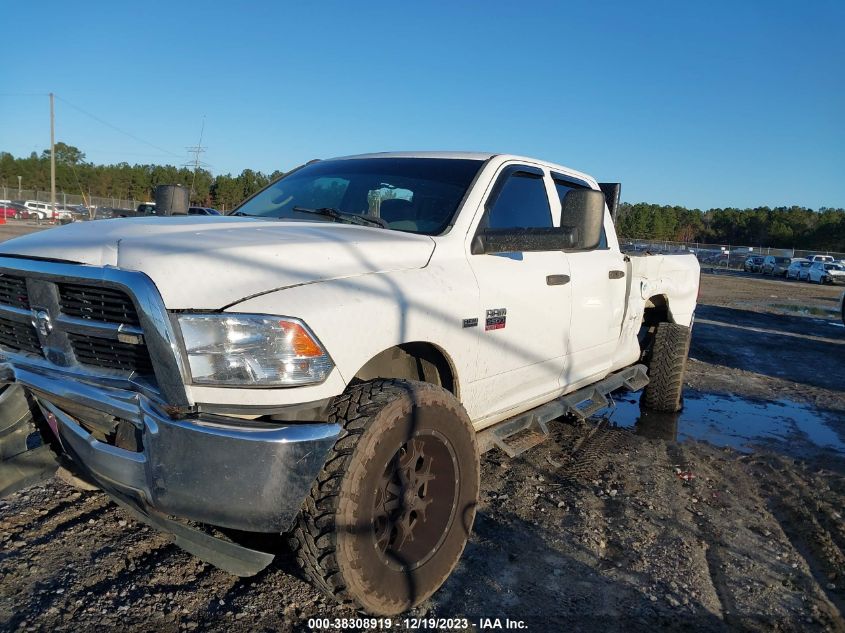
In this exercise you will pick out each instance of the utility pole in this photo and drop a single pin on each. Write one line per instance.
(52, 154)
(19, 186)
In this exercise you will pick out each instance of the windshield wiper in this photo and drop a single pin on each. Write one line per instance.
(342, 216)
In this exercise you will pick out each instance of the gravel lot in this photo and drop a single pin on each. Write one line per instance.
(627, 523)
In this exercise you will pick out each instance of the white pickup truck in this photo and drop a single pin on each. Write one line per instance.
(329, 360)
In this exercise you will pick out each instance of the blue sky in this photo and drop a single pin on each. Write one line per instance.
(700, 104)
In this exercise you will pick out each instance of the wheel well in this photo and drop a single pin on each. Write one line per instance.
(656, 311)
(413, 361)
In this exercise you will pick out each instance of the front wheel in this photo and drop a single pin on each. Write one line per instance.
(388, 517)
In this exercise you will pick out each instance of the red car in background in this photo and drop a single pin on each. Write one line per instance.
(8, 210)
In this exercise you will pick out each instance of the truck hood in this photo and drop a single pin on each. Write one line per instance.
(209, 263)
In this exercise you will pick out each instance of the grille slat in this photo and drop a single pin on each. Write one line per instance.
(111, 354)
(13, 291)
(18, 337)
(98, 304)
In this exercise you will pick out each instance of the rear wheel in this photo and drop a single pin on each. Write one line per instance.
(666, 367)
(388, 517)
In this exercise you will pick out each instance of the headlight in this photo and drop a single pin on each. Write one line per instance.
(252, 350)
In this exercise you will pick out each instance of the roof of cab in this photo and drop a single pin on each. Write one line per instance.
(469, 156)
(457, 155)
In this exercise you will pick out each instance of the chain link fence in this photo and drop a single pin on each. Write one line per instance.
(69, 200)
(720, 255)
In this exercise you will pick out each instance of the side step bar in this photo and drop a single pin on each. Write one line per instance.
(580, 404)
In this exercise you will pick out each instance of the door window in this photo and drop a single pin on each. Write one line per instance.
(521, 203)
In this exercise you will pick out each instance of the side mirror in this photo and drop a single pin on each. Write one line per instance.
(582, 216)
(490, 241)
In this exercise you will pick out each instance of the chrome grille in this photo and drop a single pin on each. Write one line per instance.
(13, 292)
(18, 337)
(97, 304)
(153, 366)
(92, 326)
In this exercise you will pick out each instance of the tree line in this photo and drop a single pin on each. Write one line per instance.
(74, 175)
(778, 227)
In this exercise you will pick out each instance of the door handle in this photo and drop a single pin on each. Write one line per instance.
(557, 280)
(616, 274)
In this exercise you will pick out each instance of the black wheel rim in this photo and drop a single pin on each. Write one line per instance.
(415, 501)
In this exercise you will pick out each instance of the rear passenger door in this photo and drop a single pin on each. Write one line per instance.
(524, 298)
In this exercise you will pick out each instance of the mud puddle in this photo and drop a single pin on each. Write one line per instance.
(727, 420)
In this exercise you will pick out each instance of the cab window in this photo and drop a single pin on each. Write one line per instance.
(520, 202)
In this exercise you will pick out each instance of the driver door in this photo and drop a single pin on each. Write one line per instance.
(525, 300)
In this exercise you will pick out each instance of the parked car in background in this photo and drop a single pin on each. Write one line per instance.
(826, 273)
(203, 211)
(821, 258)
(38, 210)
(775, 265)
(8, 211)
(104, 212)
(79, 212)
(23, 212)
(795, 267)
(145, 209)
(46, 211)
(753, 264)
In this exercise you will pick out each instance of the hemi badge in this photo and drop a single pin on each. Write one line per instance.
(470, 322)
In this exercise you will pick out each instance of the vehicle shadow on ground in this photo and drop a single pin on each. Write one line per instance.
(512, 570)
(808, 350)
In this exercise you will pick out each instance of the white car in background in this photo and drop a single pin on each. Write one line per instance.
(46, 211)
(797, 267)
(826, 273)
(821, 258)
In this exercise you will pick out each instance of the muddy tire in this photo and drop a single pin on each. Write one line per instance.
(389, 515)
(666, 368)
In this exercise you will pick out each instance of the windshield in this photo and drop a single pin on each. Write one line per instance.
(418, 195)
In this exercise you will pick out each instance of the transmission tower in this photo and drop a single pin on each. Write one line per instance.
(197, 150)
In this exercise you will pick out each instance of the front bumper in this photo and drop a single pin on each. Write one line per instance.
(221, 471)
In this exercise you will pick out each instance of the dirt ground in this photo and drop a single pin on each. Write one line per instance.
(609, 526)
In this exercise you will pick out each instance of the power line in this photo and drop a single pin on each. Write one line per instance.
(114, 127)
